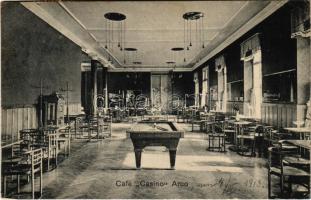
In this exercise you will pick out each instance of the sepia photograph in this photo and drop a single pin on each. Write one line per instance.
(155, 99)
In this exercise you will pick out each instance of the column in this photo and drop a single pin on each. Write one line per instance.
(220, 88)
(225, 96)
(303, 76)
(300, 15)
(94, 64)
(257, 85)
(105, 81)
(85, 86)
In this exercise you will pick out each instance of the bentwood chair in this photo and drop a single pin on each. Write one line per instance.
(249, 135)
(287, 174)
(106, 126)
(29, 166)
(216, 138)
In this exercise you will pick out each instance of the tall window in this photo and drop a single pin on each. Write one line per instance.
(196, 88)
(204, 100)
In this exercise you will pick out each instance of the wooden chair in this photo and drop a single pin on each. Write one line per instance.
(31, 166)
(229, 131)
(247, 134)
(197, 124)
(64, 138)
(217, 133)
(49, 145)
(50, 149)
(93, 130)
(180, 115)
(83, 127)
(286, 173)
(106, 126)
(30, 136)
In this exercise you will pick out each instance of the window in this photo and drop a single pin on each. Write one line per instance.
(204, 100)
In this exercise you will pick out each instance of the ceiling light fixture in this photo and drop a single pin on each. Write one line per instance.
(171, 63)
(189, 18)
(115, 30)
(128, 52)
(176, 51)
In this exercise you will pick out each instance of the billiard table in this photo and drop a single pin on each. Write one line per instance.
(155, 133)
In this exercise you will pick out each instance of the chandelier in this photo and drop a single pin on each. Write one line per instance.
(115, 31)
(176, 53)
(130, 54)
(193, 21)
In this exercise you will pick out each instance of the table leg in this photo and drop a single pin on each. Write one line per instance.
(172, 158)
(235, 135)
(138, 157)
(76, 128)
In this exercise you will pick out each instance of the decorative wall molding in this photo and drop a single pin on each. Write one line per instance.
(259, 17)
(249, 47)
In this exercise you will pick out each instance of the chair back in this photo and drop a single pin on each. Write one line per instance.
(220, 117)
(276, 154)
(260, 130)
(52, 140)
(31, 136)
(36, 160)
(218, 127)
(93, 122)
(274, 157)
(50, 130)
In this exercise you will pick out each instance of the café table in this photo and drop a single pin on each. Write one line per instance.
(8, 144)
(206, 115)
(156, 117)
(239, 128)
(304, 145)
(11, 160)
(300, 143)
(301, 131)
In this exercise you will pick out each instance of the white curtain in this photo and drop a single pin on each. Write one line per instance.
(196, 89)
(221, 68)
(204, 98)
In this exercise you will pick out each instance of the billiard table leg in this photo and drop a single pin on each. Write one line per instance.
(172, 158)
(138, 157)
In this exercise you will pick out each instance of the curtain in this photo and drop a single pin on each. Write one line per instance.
(250, 46)
(221, 68)
(204, 100)
(300, 19)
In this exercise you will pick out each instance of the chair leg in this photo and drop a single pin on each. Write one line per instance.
(18, 183)
(49, 156)
(64, 148)
(4, 186)
(254, 148)
(68, 147)
(41, 182)
(56, 155)
(33, 185)
(224, 141)
(282, 184)
(219, 147)
(209, 142)
(269, 185)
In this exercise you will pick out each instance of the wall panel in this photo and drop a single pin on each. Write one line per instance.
(16, 119)
(278, 115)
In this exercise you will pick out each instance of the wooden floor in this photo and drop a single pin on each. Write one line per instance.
(96, 169)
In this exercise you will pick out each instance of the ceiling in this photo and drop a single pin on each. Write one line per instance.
(151, 27)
